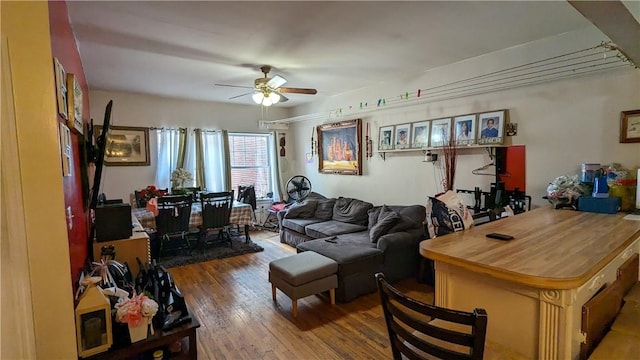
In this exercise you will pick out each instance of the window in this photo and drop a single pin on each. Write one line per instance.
(250, 162)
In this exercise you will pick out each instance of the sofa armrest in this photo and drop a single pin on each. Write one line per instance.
(399, 240)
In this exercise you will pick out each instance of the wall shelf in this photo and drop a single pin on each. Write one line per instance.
(382, 153)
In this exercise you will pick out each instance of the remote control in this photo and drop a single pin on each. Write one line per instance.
(499, 236)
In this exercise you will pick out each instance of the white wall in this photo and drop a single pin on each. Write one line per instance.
(131, 109)
(562, 124)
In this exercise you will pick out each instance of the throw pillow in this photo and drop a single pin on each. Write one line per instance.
(352, 211)
(373, 215)
(324, 210)
(302, 210)
(386, 220)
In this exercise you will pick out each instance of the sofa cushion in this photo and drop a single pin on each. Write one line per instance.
(302, 210)
(330, 228)
(298, 225)
(352, 257)
(324, 209)
(352, 211)
(386, 219)
(411, 217)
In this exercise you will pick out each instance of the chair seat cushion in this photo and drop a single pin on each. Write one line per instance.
(302, 268)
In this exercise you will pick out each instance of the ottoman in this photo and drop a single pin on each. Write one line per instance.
(302, 275)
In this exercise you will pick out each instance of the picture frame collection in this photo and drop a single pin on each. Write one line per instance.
(486, 128)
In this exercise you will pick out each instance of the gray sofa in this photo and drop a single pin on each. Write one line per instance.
(368, 239)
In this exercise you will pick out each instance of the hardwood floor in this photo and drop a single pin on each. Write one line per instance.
(232, 299)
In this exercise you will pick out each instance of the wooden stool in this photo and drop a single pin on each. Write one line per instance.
(303, 274)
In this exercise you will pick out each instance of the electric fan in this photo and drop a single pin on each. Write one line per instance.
(298, 188)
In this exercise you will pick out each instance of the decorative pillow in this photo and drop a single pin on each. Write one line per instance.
(302, 210)
(447, 214)
(324, 209)
(386, 220)
(352, 211)
(373, 214)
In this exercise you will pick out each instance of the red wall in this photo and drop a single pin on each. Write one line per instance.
(64, 47)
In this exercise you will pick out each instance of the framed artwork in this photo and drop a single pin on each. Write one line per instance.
(126, 146)
(465, 129)
(385, 139)
(61, 87)
(491, 128)
(74, 98)
(420, 134)
(440, 132)
(65, 149)
(630, 126)
(403, 136)
(339, 148)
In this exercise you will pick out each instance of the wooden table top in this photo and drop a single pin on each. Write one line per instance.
(552, 249)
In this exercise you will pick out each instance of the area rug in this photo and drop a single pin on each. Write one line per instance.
(210, 252)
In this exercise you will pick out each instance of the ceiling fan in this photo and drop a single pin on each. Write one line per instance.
(268, 91)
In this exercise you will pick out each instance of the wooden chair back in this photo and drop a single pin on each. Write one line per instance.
(416, 332)
(173, 214)
(216, 209)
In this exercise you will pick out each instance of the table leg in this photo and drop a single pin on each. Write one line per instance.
(193, 345)
(247, 239)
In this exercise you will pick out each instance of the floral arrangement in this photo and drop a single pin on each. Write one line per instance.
(137, 310)
(180, 178)
(151, 192)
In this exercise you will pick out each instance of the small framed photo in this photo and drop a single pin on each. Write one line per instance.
(126, 146)
(403, 136)
(420, 134)
(74, 97)
(465, 129)
(630, 126)
(61, 87)
(386, 138)
(440, 132)
(491, 128)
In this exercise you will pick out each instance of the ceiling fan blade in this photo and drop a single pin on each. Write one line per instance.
(237, 96)
(276, 82)
(238, 86)
(291, 90)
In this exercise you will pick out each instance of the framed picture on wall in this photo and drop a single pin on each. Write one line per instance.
(440, 132)
(420, 134)
(491, 127)
(465, 129)
(61, 87)
(126, 146)
(385, 141)
(403, 136)
(630, 126)
(339, 148)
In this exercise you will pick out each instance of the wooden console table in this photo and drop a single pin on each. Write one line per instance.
(157, 341)
(533, 287)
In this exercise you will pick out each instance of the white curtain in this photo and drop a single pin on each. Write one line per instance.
(190, 156)
(276, 178)
(168, 148)
(214, 169)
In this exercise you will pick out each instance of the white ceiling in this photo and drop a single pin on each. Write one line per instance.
(181, 49)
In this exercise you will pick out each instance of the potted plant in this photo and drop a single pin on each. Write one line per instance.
(137, 313)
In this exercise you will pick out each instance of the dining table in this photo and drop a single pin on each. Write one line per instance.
(241, 214)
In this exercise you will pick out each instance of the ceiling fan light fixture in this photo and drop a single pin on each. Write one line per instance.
(274, 97)
(257, 97)
(267, 102)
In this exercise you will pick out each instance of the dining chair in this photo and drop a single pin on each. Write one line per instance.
(192, 191)
(216, 213)
(422, 331)
(172, 223)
